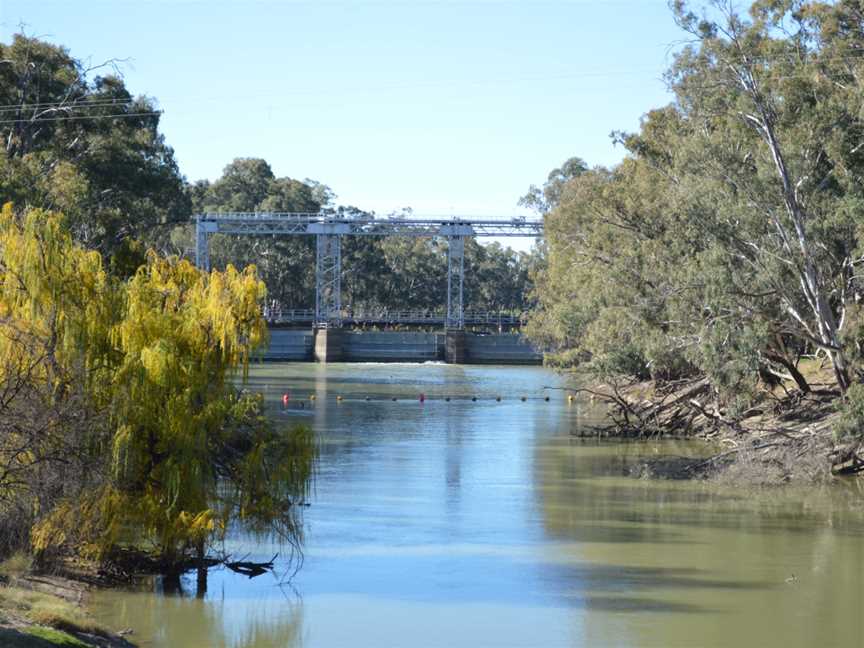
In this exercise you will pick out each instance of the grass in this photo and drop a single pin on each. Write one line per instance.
(38, 637)
(16, 565)
(46, 610)
(56, 637)
(46, 619)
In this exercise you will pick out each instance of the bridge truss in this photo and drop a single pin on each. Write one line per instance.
(328, 230)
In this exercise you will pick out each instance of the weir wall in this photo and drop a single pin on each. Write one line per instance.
(335, 345)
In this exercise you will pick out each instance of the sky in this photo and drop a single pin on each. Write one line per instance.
(448, 108)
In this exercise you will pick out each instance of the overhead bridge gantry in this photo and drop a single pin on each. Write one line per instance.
(328, 228)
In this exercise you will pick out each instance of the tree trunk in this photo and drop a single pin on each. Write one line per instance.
(797, 376)
(807, 268)
(201, 584)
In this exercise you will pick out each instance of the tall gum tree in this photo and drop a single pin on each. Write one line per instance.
(776, 80)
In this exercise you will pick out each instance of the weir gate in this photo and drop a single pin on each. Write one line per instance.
(329, 340)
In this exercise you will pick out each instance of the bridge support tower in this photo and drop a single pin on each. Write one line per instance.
(455, 274)
(203, 230)
(328, 273)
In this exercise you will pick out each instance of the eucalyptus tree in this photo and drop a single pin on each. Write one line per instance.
(727, 242)
(84, 145)
(544, 199)
(774, 107)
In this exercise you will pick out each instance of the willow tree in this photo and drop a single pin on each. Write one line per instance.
(128, 427)
(56, 310)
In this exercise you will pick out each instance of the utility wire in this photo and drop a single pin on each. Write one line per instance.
(84, 104)
(60, 105)
(790, 57)
(81, 117)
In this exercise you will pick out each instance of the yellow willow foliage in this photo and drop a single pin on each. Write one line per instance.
(179, 452)
(54, 292)
(182, 332)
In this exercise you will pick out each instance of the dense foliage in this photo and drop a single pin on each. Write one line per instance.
(85, 147)
(728, 242)
(119, 421)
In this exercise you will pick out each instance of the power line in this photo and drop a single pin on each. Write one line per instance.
(77, 103)
(82, 117)
(83, 105)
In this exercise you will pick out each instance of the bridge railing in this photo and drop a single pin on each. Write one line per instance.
(472, 318)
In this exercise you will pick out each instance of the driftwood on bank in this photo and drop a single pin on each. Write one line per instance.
(782, 439)
(670, 411)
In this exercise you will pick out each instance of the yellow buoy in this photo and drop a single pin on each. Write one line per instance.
(338, 398)
(570, 398)
(312, 397)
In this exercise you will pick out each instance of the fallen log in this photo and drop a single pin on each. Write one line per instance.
(249, 568)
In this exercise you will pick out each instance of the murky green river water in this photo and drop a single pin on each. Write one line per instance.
(485, 523)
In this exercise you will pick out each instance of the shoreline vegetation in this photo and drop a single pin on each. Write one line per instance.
(711, 281)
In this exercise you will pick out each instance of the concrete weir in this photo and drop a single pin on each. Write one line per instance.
(453, 347)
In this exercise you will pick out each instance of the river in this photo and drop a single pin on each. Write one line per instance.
(482, 522)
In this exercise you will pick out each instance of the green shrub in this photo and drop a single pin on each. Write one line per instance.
(850, 423)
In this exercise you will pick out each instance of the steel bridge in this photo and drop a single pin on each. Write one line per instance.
(500, 320)
(328, 228)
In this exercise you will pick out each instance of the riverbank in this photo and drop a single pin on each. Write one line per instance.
(44, 611)
(786, 436)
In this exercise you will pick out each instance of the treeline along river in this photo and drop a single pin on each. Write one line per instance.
(482, 522)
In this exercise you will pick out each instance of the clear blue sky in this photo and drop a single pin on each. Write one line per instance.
(444, 107)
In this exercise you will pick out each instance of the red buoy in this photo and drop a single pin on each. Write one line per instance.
(422, 398)
(285, 398)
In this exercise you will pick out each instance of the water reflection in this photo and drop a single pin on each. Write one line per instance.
(222, 620)
(663, 548)
(485, 523)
